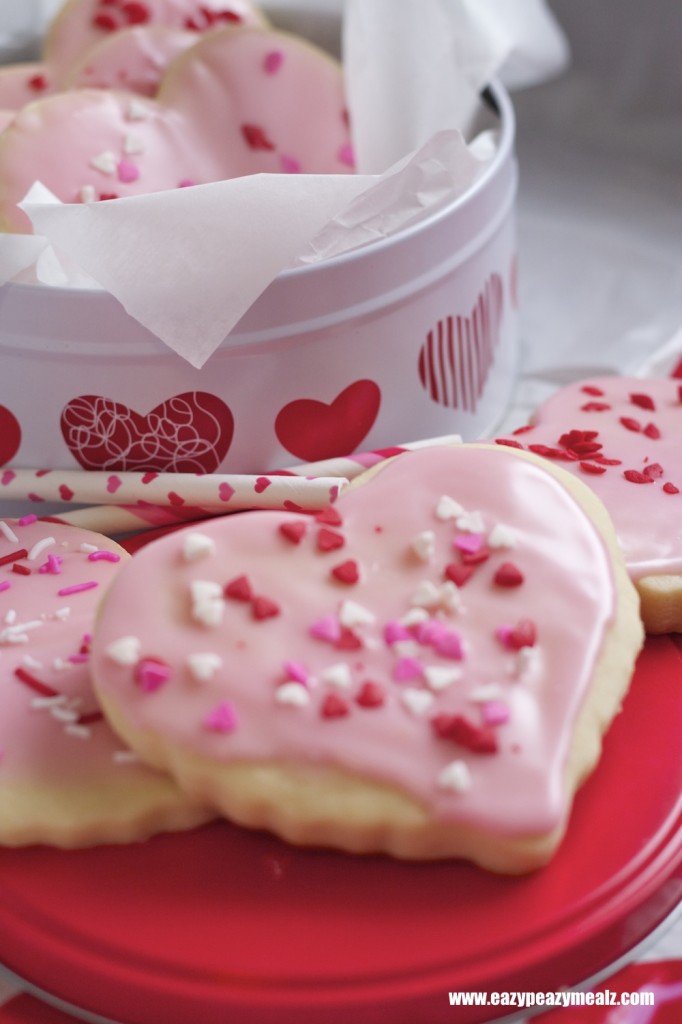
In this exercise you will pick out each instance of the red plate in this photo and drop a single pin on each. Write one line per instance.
(224, 924)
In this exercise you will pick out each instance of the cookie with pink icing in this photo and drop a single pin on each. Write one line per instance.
(426, 668)
(93, 144)
(65, 778)
(208, 123)
(82, 24)
(621, 436)
(134, 59)
(269, 100)
(22, 83)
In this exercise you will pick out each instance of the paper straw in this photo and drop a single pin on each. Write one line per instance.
(211, 492)
(350, 466)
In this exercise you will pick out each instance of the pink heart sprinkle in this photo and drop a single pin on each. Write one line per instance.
(495, 712)
(449, 645)
(395, 631)
(7, 477)
(273, 61)
(113, 484)
(65, 493)
(407, 669)
(127, 171)
(223, 718)
(225, 492)
(326, 628)
(346, 155)
(151, 675)
(262, 484)
(289, 164)
(471, 543)
(296, 672)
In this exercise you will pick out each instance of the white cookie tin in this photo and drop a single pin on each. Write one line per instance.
(412, 337)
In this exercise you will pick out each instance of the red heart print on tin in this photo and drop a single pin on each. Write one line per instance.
(188, 433)
(10, 435)
(312, 430)
(455, 359)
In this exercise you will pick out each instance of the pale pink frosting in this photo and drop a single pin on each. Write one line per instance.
(207, 125)
(22, 83)
(51, 730)
(277, 666)
(133, 59)
(81, 24)
(636, 424)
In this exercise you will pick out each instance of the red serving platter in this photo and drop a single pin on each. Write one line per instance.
(226, 925)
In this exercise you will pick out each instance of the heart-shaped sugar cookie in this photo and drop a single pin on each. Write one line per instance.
(334, 678)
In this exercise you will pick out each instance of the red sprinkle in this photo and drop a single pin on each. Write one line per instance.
(592, 389)
(348, 641)
(595, 407)
(255, 137)
(294, 532)
(329, 540)
(652, 431)
(635, 477)
(135, 12)
(370, 695)
(508, 575)
(631, 424)
(334, 706)
(671, 488)
(509, 443)
(643, 401)
(239, 589)
(38, 82)
(458, 573)
(524, 634)
(593, 468)
(459, 729)
(475, 557)
(654, 471)
(347, 572)
(328, 517)
(22, 570)
(14, 556)
(105, 21)
(264, 608)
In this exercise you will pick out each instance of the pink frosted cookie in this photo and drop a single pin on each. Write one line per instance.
(93, 144)
(622, 437)
(134, 59)
(266, 100)
(22, 83)
(426, 668)
(65, 778)
(81, 24)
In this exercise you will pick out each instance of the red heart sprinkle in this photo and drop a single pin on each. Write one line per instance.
(595, 407)
(328, 516)
(136, 13)
(294, 532)
(671, 488)
(255, 137)
(348, 641)
(508, 575)
(524, 634)
(475, 557)
(631, 424)
(105, 21)
(264, 608)
(635, 477)
(334, 706)
(643, 401)
(458, 573)
(652, 431)
(508, 443)
(654, 471)
(459, 729)
(239, 589)
(347, 572)
(329, 540)
(38, 82)
(370, 695)
(592, 389)
(593, 468)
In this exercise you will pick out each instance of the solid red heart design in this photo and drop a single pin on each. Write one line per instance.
(10, 435)
(312, 430)
(455, 359)
(188, 433)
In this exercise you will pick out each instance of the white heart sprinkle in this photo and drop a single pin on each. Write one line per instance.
(427, 595)
(293, 694)
(471, 522)
(106, 162)
(207, 602)
(489, 691)
(456, 777)
(196, 546)
(448, 508)
(439, 677)
(424, 545)
(353, 614)
(417, 701)
(203, 665)
(137, 111)
(125, 650)
(132, 145)
(337, 675)
(502, 536)
(88, 194)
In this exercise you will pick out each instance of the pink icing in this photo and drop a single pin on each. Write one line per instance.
(134, 59)
(22, 83)
(388, 708)
(637, 425)
(219, 115)
(75, 30)
(51, 729)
